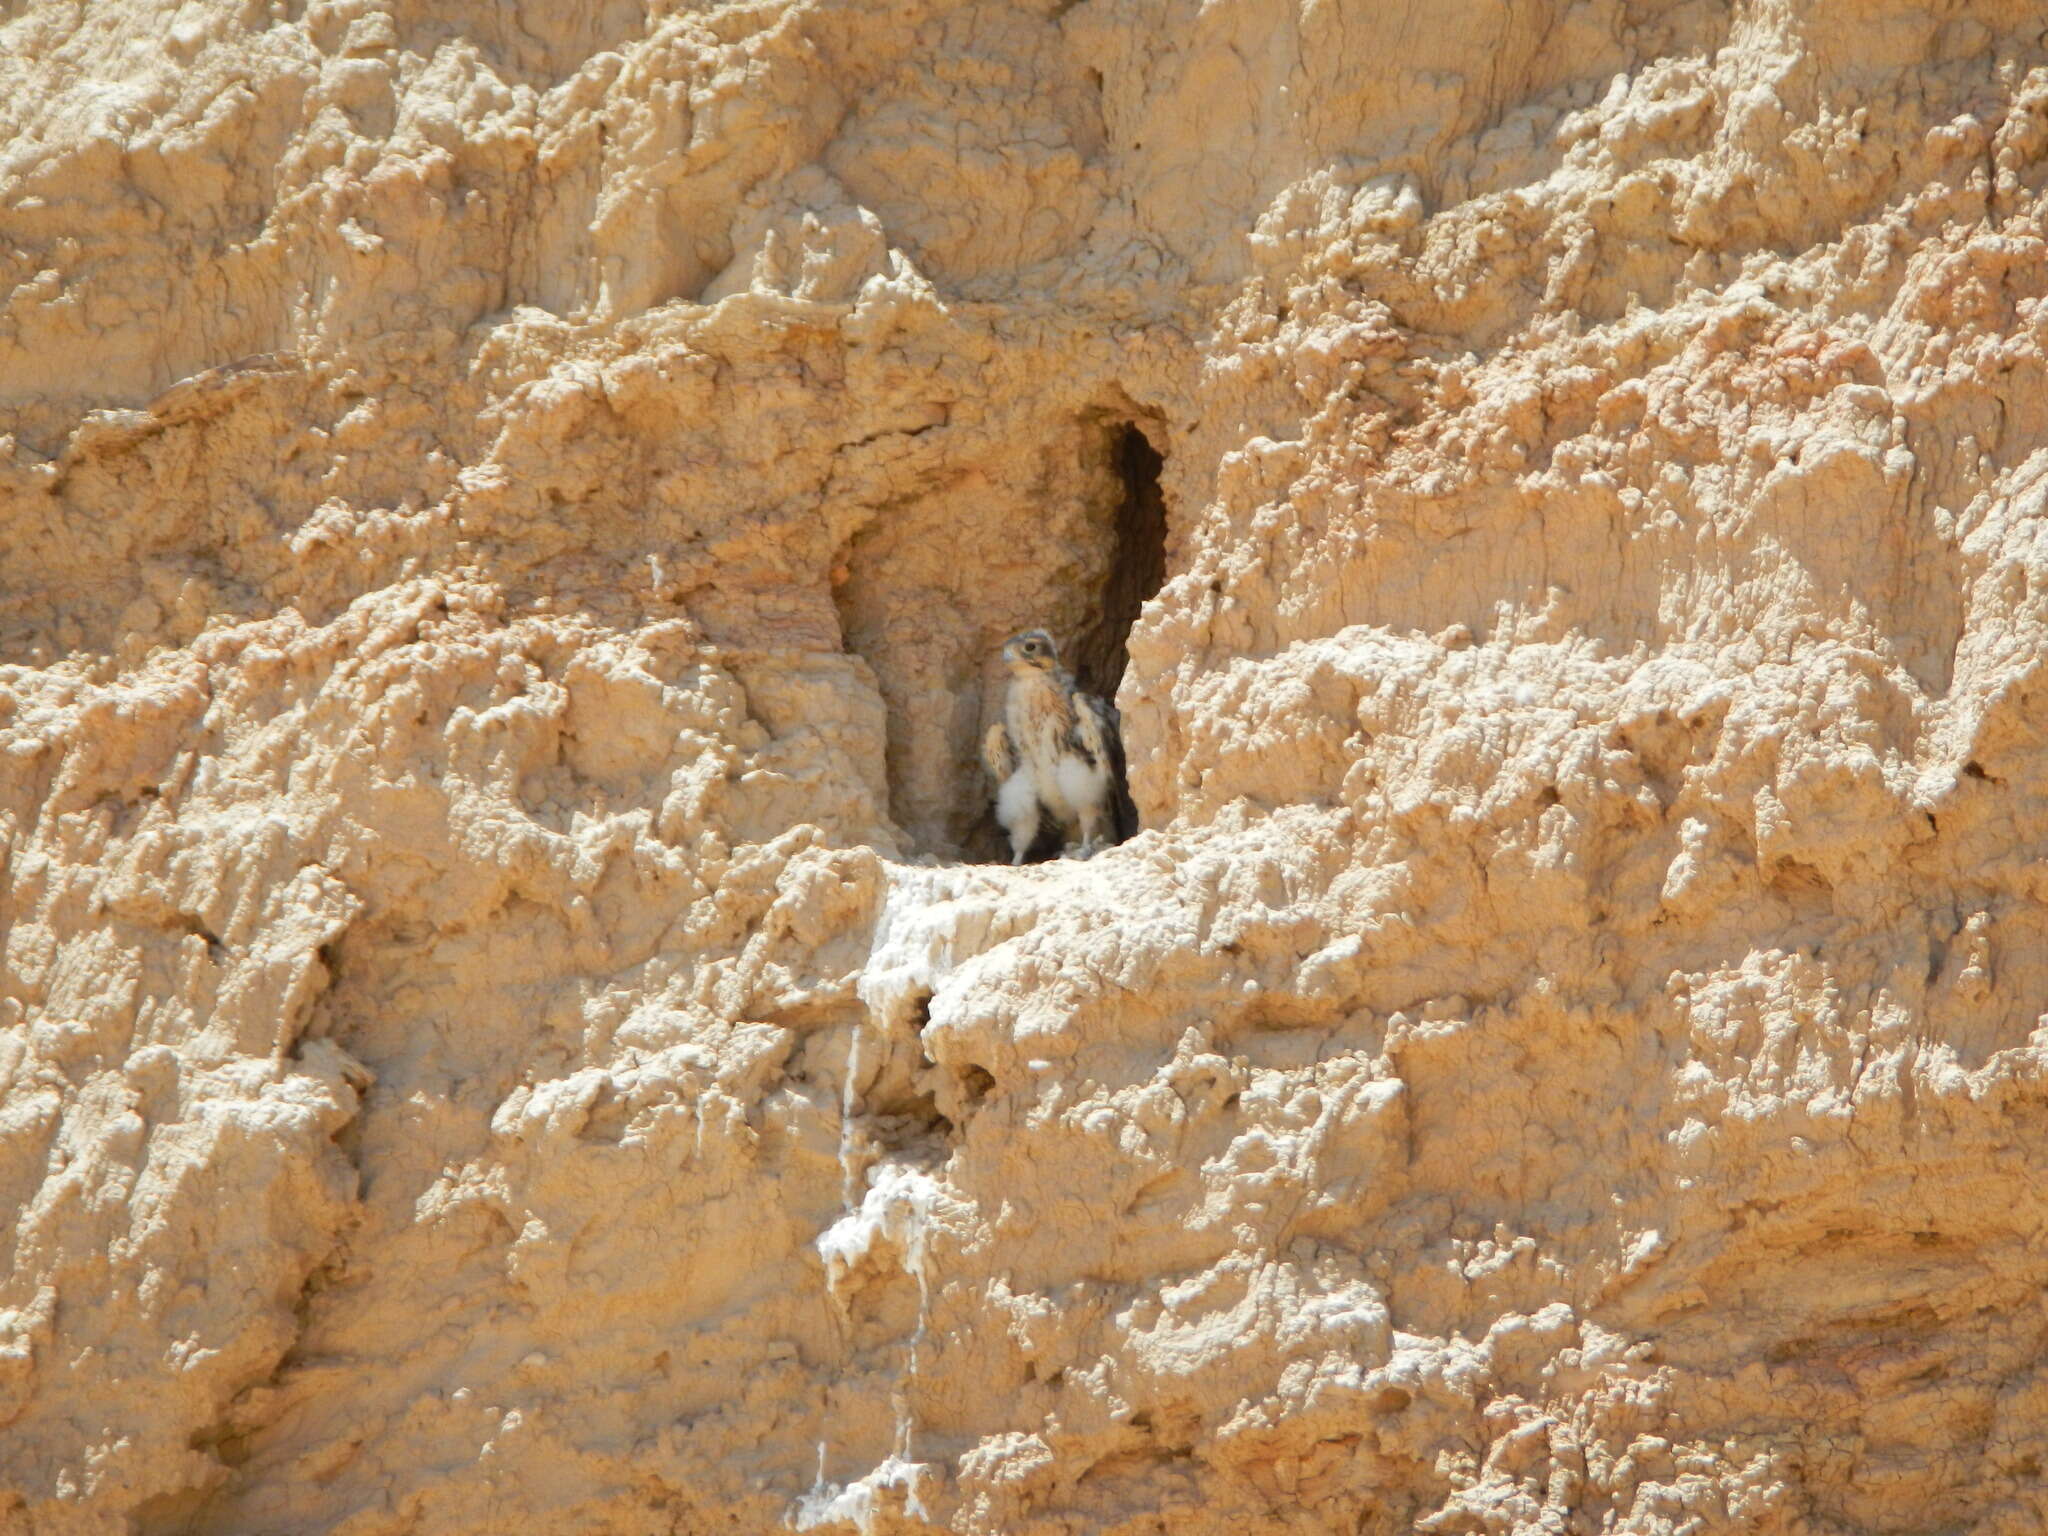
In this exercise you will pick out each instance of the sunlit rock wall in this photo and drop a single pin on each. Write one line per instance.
(506, 515)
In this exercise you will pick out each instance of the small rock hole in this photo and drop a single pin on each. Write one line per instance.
(1098, 654)
(909, 1123)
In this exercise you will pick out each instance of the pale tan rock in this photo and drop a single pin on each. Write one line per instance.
(506, 518)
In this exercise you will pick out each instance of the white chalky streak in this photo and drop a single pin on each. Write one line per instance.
(911, 951)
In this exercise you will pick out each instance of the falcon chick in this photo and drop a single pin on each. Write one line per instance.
(1056, 755)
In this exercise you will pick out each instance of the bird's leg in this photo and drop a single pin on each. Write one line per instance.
(1023, 833)
(1018, 810)
(1091, 831)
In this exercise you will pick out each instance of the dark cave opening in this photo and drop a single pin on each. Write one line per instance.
(1098, 655)
(1137, 567)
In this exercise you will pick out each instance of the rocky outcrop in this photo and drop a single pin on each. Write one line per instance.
(508, 1016)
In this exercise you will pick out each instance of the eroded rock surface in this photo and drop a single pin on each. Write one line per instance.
(506, 515)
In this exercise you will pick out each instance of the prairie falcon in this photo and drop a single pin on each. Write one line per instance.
(1057, 755)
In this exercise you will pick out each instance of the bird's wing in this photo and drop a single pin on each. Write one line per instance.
(1095, 730)
(1098, 731)
(997, 755)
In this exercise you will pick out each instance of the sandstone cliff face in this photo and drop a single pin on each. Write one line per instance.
(506, 513)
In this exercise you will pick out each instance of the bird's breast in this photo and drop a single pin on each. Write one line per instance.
(1039, 717)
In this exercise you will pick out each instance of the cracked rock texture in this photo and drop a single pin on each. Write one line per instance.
(506, 514)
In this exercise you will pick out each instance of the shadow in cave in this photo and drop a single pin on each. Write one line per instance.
(1137, 566)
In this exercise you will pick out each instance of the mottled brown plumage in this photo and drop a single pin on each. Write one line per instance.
(1056, 755)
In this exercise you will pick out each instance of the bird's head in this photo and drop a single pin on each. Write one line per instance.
(1032, 651)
